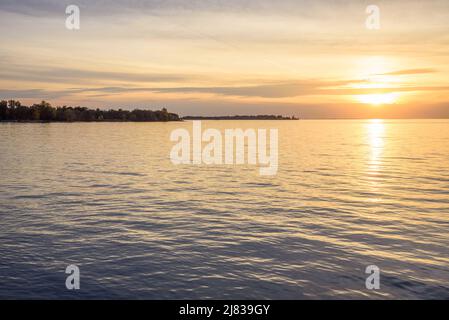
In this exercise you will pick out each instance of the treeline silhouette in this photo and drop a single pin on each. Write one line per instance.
(13, 110)
(237, 117)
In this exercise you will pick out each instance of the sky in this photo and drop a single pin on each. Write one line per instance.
(308, 58)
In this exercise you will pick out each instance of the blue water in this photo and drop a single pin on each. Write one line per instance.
(105, 197)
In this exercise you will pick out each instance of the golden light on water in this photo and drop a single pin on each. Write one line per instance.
(375, 130)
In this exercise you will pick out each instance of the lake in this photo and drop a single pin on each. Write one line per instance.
(106, 197)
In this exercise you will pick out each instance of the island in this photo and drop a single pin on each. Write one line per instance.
(13, 110)
(242, 117)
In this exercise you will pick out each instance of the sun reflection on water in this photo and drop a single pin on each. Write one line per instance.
(376, 133)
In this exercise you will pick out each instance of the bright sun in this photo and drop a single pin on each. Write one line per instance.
(377, 80)
(378, 98)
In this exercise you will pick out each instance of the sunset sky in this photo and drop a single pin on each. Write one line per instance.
(310, 58)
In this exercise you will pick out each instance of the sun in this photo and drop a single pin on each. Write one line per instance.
(377, 99)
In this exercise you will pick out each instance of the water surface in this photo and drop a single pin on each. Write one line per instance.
(106, 197)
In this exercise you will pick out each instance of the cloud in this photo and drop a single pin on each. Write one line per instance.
(267, 91)
(32, 94)
(106, 7)
(277, 90)
(408, 72)
(67, 75)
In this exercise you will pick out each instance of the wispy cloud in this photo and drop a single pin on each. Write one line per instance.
(33, 94)
(273, 91)
(71, 75)
(408, 72)
(105, 7)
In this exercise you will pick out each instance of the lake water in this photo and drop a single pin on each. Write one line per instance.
(105, 197)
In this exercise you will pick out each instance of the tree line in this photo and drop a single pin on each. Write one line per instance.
(243, 117)
(13, 110)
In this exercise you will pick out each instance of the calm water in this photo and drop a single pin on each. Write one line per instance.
(105, 196)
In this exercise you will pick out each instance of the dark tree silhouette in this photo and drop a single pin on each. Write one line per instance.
(237, 117)
(3, 110)
(14, 111)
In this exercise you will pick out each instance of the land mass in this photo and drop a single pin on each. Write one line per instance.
(43, 112)
(14, 111)
(238, 117)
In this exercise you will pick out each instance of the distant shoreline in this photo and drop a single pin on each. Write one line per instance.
(181, 119)
(14, 111)
(44, 112)
(252, 117)
(86, 121)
